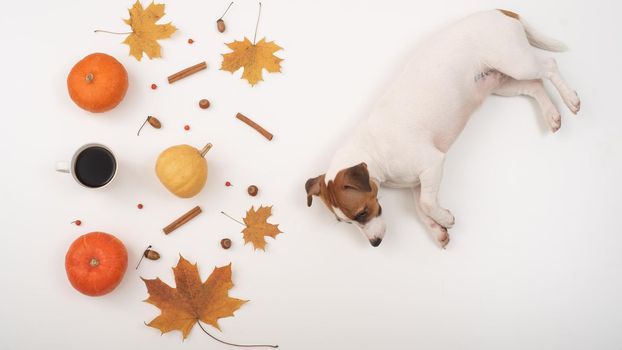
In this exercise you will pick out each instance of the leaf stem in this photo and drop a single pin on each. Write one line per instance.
(238, 345)
(109, 32)
(229, 216)
(228, 7)
(257, 25)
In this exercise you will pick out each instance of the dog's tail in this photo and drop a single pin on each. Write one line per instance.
(535, 38)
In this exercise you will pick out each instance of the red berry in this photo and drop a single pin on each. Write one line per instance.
(154, 86)
(228, 184)
(190, 41)
(140, 206)
(187, 127)
(77, 222)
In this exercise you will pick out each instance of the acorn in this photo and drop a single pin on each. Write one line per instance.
(152, 254)
(154, 122)
(220, 24)
(204, 103)
(253, 190)
(225, 243)
(149, 254)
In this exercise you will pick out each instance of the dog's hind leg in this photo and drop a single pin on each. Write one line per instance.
(515, 58)
(526, 66)
(440, 232)
(509, 50)
(534, 89)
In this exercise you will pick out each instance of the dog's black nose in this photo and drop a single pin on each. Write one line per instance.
(375, 242)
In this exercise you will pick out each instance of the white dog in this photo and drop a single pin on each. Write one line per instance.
(404, 140)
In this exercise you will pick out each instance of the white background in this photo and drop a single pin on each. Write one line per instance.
(534, 261)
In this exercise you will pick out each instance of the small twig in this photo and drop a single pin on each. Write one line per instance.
(141, 127)
(109, 32)
(229, 216)
(228, 7)
(238, 345)
(142, 257)
(257, 25)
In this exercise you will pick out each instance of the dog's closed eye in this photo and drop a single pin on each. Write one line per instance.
(361, 216)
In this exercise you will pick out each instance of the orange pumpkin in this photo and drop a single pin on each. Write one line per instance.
(97, 83)
(95, 263)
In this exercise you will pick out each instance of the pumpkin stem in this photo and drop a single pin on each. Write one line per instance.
(238, 345)
(206, 149)
(94, 262)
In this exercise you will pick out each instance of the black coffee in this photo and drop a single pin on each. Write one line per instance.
(95, 166)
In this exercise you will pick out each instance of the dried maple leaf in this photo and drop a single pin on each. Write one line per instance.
(145, 31)
(257, 227)
(192, 300)
(253, 57)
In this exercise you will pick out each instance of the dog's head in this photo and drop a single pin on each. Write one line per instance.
(353, 197)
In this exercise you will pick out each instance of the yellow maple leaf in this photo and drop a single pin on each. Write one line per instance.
(145, 31)
(257, 227)
(192, 301)
(253, 57)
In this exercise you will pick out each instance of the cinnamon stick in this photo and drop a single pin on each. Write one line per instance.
(182, 220)
(187, 72)
(255, 126)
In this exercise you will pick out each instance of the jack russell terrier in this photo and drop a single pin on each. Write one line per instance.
(403, 142)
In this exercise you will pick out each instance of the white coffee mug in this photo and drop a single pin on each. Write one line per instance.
(92, 166)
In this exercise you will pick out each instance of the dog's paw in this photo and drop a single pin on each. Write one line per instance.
(439, 232)
(553, 119)
(439, 215)
(443, 237)
(572, 101)
(446, 219)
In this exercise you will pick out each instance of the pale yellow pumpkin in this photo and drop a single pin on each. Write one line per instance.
(182, 169)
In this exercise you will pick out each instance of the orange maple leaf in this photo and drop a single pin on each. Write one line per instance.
(192, 301)
(145, 31)
(253, 57)
(257, 227)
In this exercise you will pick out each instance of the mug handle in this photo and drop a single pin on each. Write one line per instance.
(62, 167)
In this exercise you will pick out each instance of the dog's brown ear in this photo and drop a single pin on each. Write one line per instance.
(313, 188)
(357, 178)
